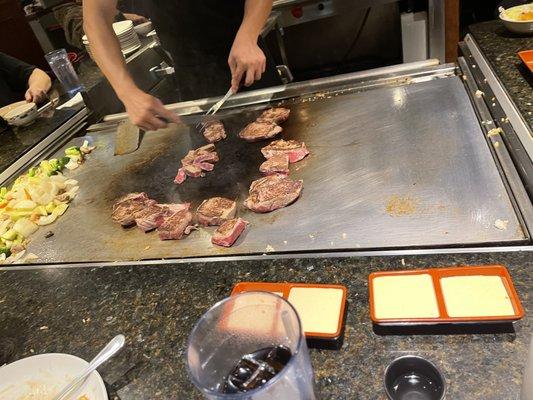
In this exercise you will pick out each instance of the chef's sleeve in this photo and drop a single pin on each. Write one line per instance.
(15, 72)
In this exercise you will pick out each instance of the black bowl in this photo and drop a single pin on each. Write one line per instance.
(414, 378)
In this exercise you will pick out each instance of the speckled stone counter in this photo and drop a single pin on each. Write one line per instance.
(77, 310)
(15, 142)
(500, 47)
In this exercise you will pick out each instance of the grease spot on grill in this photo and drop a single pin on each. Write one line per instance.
(399, 206)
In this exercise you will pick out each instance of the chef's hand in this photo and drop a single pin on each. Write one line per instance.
(246, 60)
(146, 111)
(135, 18)
(35, 94)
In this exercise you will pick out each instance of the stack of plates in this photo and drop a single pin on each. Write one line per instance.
(127, 37)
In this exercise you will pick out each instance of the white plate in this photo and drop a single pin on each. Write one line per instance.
(122, 26)
(130, 50)
(43, 376)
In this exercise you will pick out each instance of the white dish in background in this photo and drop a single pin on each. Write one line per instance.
(122, 27)
(22, 115)
(144, 28)
(4, 110)
(43, 376)
(509, 19)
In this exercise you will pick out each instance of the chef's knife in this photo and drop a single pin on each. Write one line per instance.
(127, 138)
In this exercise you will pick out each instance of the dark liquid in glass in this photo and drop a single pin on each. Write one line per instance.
(255, 369)
(413, 386)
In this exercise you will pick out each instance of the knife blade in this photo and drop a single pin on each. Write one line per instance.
(127, 138)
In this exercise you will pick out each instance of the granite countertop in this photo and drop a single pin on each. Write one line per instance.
(500, 47)
(15, 142)
(77, 310)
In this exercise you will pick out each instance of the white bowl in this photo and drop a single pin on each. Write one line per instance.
(143, 29)
(44, 375)
(22, 115)
(4, 110)
(509, 19)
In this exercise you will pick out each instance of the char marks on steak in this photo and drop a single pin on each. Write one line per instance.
(176, 225)
(196, 162)
(272, 192)
(227, 233)
(294, 149)
(154, 215)
(216, 210)
(126, 208)
(256, 131)
(278, 164)
(277, 115)
(214, 132)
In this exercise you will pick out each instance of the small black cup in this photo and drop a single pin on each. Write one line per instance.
(414, 378)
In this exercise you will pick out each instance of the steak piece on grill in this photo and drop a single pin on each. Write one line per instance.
(176, 225)
(216, 210)
(278, 164)
(294, 149)
(272, 192)
(277, 115)
(197, 161)
(154, 215)
(227, 233)
(256, 131)
(214, 132)
(126, 208)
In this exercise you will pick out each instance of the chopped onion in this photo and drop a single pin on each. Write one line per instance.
(85, 148)
(72, 164)
(24, 227)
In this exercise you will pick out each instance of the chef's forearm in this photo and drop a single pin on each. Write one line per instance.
(256, 13)
(98, 18)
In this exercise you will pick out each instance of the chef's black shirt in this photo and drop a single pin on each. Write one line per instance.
(199, 34)
(14, 75)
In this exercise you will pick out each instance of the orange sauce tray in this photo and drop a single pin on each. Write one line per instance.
(321, 308)
(527, 58)
(455, 295)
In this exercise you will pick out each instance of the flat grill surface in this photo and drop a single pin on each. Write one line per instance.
(389, 168)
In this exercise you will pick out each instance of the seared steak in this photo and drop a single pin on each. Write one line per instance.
(257, 131)
(216, 211)
(126, 208)
(294, 149)
(176, 226)
(272, 192)
(197, 161)
(227, 233)
(214, 132)
(277, 115)
(180, 177)
(278, 164)
(153, 216)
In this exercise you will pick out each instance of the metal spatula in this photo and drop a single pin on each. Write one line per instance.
(127, 139)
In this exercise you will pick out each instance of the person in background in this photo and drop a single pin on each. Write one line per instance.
(19, 80)
(214, 45)
(70, 17)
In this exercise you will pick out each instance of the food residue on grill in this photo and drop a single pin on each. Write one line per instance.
(399, 206)
(501, 224)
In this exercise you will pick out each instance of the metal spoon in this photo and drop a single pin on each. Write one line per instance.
(107, 352)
